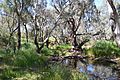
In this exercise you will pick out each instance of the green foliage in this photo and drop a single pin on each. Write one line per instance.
(2, 53)
(9, 74)
(53, 72)
(63, 47)
(26, 45)
(60, 72)
(18, 74)
(27, 64)
(46, 51)
(27, 58)
(105, 48)
(58, 50)
(19, 63)
(6, 42)
(57, 72)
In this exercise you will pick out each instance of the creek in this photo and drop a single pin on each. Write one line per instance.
(95, 71)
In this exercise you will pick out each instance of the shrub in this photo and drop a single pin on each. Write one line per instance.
(28, 58)
(26, 45)
(7, 74)
(105, 48)
(46, 51)
(7, 42)
(63, 47)
(60, 49)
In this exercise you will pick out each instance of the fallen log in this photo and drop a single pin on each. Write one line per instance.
(59, 58)
(103, 59)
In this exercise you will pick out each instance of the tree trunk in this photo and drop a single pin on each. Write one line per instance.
(26, 32)
(36, 43)
(19, 34)
(74, 36)
(117, 23)
(75, 44)
(35, 37)
(47, 42)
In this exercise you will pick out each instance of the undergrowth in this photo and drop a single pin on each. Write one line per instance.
(26, 64)
(103, 48)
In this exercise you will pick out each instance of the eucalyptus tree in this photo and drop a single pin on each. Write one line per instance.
(44, 23)
(72, 15)
(8, 23)
(38, 18)
(18, 9)
(70, 12)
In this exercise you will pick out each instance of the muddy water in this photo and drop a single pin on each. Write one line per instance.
(95, 71)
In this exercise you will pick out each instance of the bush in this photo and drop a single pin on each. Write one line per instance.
(7, 74)
(105, 48)
(60, 49)
(46, 51)
(22, 58)
(63, 47)
(10, 74)
(7, 42)
(26, 45)
(28, 58)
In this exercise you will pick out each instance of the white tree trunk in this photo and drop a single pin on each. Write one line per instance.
(117, 32)
(117, 22)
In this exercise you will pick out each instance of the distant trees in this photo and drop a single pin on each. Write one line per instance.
(75, 16)
(68, 21)
(16, 9)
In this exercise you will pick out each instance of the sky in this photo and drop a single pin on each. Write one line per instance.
(98, 2)
(1, 0)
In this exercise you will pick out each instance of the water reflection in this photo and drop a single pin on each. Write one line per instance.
(95, 72)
